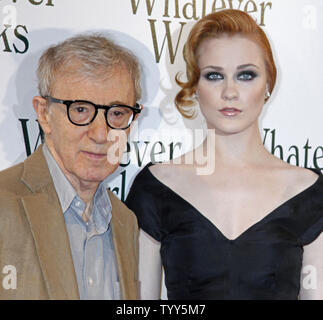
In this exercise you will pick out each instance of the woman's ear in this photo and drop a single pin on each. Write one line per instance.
(267, 93)
(41, 107)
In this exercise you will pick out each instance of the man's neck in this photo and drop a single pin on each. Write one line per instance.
(84, 189)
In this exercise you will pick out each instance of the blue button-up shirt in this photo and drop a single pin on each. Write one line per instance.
(91, 243)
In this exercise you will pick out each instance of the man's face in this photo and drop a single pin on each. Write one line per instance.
(81, 151)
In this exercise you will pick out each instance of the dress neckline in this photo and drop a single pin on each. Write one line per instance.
(258, 223)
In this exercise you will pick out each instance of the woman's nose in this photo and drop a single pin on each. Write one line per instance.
(230, 91)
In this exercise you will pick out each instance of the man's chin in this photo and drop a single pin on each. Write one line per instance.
(92, 176)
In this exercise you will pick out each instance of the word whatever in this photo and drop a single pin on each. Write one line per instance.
(169, 15)
(163, 309)
(198, 9)
(294, 154)
(158, 150)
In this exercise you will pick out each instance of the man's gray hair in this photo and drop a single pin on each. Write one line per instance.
(96, 53)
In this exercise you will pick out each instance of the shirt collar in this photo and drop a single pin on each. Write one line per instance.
(66, 194)
(63, 187)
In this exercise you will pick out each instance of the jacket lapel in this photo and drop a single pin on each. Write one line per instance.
(123, 238)
(47, 224)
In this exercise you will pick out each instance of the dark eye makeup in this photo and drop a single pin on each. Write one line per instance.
(245, 75)
(213, 76)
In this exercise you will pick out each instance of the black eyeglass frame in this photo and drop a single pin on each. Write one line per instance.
(136, 109)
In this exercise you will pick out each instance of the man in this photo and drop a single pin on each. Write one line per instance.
(63, 232)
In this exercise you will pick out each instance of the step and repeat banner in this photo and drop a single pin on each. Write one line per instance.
(155, 30)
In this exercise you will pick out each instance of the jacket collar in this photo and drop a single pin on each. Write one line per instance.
(47, 224)
(36, 174)
(123, 239)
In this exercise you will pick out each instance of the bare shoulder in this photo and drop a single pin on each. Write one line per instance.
(172, 170)
(297, 178)
(165, 170)
(303, 176)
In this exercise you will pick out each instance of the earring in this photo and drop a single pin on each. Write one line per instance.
(267, 95)
(195, 95)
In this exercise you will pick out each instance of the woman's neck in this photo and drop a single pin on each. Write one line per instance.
(235, 150)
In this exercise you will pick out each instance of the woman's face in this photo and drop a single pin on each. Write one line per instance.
(232, 84)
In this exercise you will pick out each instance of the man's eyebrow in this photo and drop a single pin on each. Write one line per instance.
(116, 102)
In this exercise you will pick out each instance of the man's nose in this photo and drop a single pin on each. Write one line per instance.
(98, 128)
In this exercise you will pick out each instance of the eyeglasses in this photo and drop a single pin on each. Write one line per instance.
(82, 112)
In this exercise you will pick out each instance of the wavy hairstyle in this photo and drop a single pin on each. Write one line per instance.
(226, 22)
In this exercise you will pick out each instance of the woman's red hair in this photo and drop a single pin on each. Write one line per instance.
(226, 22)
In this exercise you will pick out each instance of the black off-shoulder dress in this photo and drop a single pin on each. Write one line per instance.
(264, 262)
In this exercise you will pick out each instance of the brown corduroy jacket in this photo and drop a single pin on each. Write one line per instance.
(34, 239)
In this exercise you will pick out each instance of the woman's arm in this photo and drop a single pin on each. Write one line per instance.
(312, 271)
(150, 267)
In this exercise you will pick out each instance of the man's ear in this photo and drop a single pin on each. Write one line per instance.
(138, 114)
(41, 107)
(134, 122)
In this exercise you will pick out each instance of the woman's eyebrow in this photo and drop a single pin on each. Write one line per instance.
(213, 67)
(243, 66)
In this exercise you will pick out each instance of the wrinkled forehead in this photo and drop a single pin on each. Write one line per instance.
(76, 71)
(116, 87)
(75, 68)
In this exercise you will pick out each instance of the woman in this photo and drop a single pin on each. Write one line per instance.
(244, 230)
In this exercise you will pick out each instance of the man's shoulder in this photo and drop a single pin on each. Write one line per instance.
(11, 190)
(10, 179)
(117, 203)
(119, 209)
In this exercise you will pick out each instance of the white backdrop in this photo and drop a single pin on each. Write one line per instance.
(156, 30)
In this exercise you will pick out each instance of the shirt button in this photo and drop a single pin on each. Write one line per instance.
(78, 203)
(90, 281)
